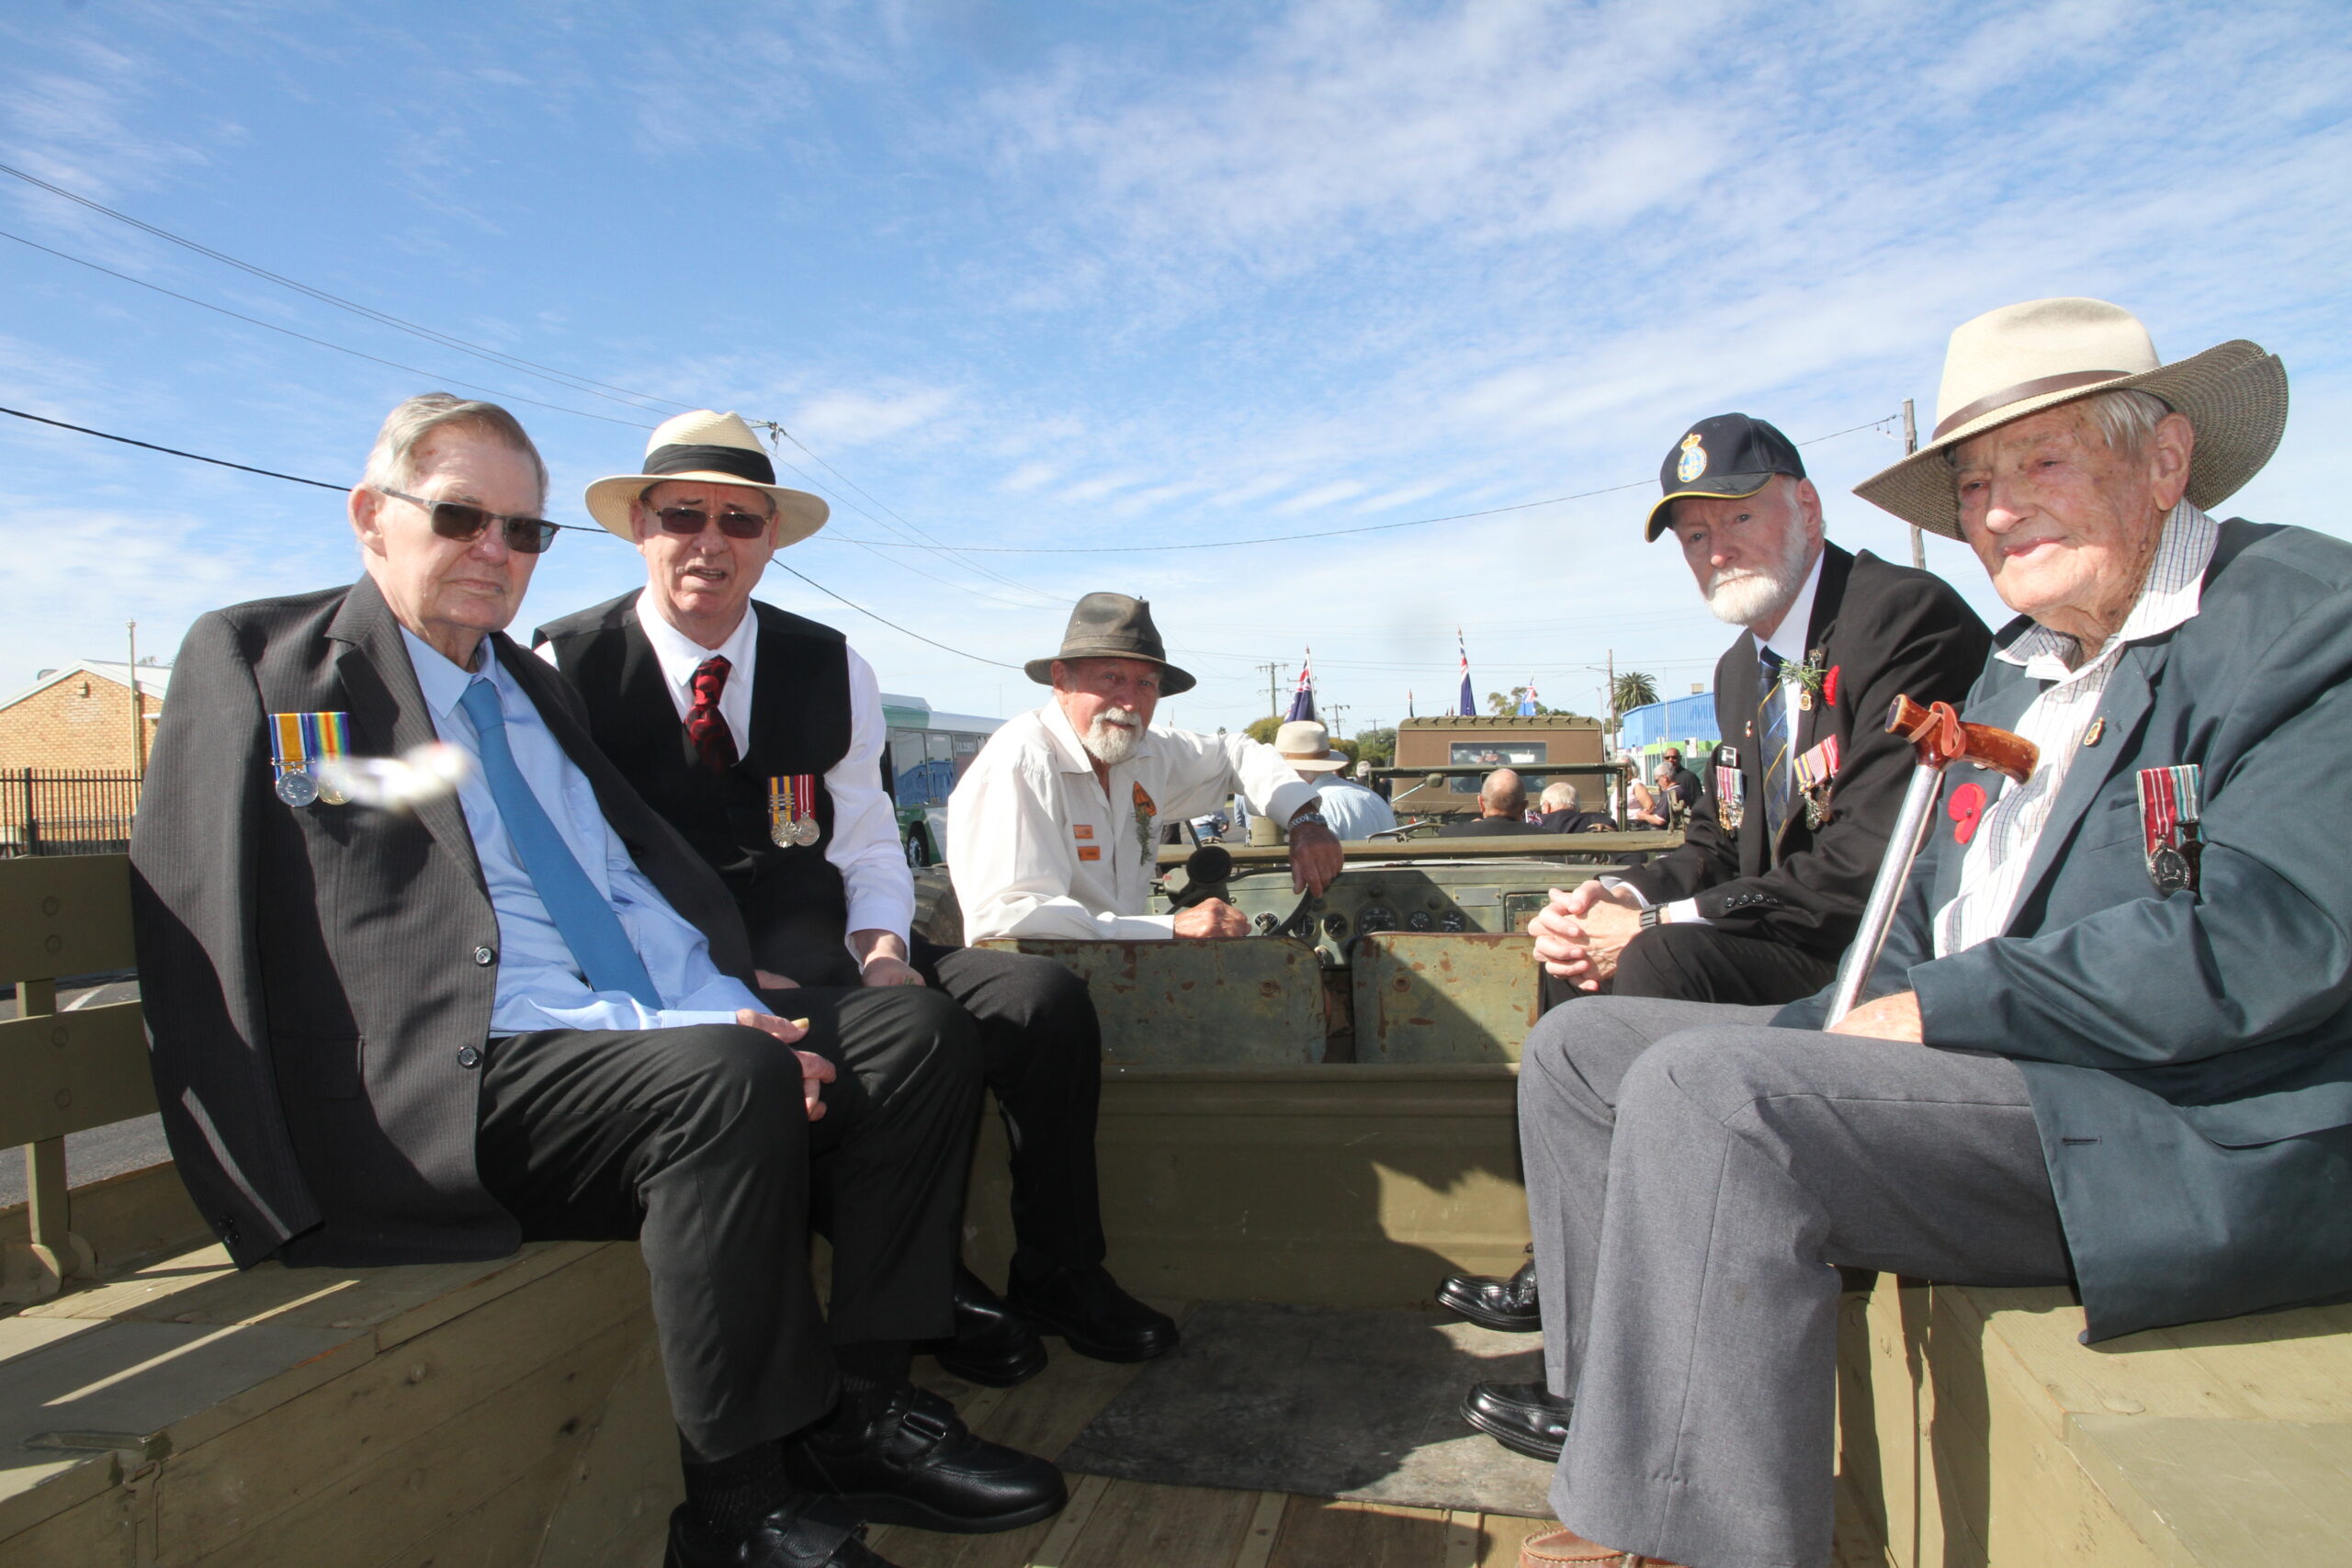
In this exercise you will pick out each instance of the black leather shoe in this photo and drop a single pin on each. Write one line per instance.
(1096, 1318)
(1525, 1417)
(1507, 1306)
(913, 1461)
(993, 1344)
(812, 1532)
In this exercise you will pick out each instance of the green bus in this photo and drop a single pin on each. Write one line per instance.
(928, 751)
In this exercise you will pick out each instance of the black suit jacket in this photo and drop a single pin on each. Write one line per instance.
(1887, 631)
(310, 974)
(2189, 1057)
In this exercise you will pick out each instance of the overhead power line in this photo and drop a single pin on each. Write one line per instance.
(481, 351)
(322, 484)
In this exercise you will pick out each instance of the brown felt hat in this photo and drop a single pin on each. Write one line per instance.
(2023, 359)
(1112, 626)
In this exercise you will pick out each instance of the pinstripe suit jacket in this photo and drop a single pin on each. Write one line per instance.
(311, 974)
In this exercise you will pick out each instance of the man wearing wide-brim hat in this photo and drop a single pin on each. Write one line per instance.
(1351, 807)
(759, 736)
(1056, 824)
(2109, 1041)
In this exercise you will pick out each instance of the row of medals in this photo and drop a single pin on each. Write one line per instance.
(297, 787)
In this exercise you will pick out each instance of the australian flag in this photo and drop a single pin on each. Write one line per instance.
(1526, 701)
(1302, 702)
(1469, 708)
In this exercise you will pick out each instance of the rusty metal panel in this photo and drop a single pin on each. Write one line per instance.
(1198, 1003)
(1443, 996)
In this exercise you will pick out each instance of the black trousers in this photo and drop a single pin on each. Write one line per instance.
(1041, 1047)
(695, 1142)
(1706, 964)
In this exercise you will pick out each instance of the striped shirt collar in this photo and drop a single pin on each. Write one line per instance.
(2175, 587)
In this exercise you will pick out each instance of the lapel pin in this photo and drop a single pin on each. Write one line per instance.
(2097, 728)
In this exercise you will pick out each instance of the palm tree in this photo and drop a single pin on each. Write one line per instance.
(1636, 689)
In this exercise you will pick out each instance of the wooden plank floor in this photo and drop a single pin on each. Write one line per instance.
(1123, 1524)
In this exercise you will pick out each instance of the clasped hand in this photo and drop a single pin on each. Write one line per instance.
(814, 1071)
(1579, 934)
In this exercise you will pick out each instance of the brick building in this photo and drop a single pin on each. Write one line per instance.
(79, 718)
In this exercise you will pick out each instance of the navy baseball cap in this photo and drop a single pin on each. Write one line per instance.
(1724, 455)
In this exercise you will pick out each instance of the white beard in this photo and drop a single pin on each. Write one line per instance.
(1747, 595)
(1109, 744)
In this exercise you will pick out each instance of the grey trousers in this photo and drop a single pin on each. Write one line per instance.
(1694, 1177)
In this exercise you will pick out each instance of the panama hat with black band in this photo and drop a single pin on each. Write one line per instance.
(1725, 456)
(2021, 359)
(718, 448)
(1112, 626)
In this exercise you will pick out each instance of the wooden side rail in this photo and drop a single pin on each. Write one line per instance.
(62, 1072)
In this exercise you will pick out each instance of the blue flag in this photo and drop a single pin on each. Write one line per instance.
(1469, 704)
(1302, 702)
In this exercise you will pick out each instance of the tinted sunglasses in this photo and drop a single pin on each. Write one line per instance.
(734, 523)
(458, 520)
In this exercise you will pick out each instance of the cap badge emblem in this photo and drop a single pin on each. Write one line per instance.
(1694, 460)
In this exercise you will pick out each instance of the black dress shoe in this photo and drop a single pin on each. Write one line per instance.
(812, 1532)
(1096, 1318)
(1525, 1417)
(1506, 1305)
(911, 1460)
(993, 1344)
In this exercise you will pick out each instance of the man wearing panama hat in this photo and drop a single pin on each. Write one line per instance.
(2108, 1043)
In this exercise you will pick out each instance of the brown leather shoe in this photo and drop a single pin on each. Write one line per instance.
(1556, 1548)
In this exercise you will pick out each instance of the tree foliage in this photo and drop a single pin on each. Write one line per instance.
(1635, 688)
(1377, 746)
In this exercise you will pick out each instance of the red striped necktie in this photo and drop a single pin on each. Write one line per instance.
(705, 726)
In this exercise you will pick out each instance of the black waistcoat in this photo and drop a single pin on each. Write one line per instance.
(792, 897)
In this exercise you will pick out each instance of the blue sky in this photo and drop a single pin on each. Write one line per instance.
(1082, 275)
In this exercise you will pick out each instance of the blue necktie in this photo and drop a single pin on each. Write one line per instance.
(1772, 731)
(589, 928)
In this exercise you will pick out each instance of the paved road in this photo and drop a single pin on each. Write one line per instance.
(105, 1151)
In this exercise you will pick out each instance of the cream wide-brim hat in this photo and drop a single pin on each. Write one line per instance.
(2020, 359)
(707, 444)
(1306, 745)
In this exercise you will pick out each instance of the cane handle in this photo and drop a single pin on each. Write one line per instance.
(1941, 740)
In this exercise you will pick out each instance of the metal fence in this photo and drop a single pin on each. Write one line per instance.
(52, 811)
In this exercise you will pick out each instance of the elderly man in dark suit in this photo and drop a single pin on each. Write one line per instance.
(1781, 847)
(2109, 1041)
(759, 735)
(526, 1010)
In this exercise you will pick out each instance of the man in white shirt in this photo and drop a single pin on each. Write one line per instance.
(1057, 823)
(759, 736)
(1349, 808)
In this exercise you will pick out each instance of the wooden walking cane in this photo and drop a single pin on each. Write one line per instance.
(1940, 740)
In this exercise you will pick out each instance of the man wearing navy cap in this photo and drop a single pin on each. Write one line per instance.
(1794, 805)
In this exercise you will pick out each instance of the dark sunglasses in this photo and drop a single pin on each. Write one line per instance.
(456, 520)
(734, 524)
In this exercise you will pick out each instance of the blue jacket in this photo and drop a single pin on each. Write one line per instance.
(2189, 1057)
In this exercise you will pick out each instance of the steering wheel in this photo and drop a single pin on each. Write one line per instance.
(1206, 871)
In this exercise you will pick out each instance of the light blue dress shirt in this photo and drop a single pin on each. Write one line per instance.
(539, 987)
(1353, 811)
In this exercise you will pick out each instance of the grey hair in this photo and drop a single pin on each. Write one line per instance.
(1559, 796)
(2124, 418)
(391, 462)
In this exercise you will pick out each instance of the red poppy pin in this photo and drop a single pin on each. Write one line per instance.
(1829, 687)
(1966, 809)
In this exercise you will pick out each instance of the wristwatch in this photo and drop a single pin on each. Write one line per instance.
(1313, 814)
(1654, 915)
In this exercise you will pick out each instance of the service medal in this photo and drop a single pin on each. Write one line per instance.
(2171, 804)
(299, 739)
(792, 811)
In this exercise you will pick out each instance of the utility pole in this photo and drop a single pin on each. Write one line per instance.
(1336, 709)
(1613, 739)
(138, 713)
(1911, 444)
(1273, 703)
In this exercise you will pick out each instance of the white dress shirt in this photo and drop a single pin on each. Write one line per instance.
(539, 983)
(1992, 867)
(1043, 850)
(864, 846)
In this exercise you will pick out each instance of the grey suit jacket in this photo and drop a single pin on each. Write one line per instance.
(2189, 1057)
(311, 974)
